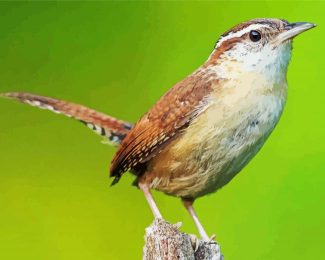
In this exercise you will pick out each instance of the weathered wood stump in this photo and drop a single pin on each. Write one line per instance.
(164, 241)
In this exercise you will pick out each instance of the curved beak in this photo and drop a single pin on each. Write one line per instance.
(293, 29)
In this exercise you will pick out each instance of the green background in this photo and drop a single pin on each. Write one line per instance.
(55, 200)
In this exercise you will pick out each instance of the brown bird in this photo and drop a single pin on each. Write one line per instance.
(206, 128)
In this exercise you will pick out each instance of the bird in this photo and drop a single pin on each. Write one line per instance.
(203, 131)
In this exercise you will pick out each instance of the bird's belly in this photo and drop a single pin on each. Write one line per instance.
(214, 149)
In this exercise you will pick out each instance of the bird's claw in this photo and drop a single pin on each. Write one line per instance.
(178, 225)
(195, 242)
(212, 239)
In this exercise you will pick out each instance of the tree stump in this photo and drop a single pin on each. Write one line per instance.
(164, 241)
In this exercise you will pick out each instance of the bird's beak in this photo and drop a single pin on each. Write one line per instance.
(293, 29)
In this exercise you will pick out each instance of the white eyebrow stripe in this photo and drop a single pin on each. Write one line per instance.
(240, 32)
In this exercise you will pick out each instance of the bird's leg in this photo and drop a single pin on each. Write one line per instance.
(151, 201)
(189, 206)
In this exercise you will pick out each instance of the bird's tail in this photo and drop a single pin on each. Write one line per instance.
(113, 129)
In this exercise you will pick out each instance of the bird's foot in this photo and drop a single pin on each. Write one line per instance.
(178, 225)
(212, 240)
(195, 242)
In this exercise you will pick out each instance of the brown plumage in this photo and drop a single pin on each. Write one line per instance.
(206, 128)
(168, 118)
(111, 128)
(163, 123)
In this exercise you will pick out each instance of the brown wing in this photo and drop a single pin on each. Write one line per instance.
(115, 130)
(164, 121)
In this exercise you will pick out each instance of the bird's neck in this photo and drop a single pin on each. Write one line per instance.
(270, 64)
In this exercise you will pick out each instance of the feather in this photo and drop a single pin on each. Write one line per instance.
(113, 129)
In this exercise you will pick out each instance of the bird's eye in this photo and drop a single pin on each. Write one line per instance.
(255, 36)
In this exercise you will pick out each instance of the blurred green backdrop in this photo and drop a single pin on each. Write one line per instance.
(55, 200)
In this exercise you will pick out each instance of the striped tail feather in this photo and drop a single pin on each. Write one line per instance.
(113, 129)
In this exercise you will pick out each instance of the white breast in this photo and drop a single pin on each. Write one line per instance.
(234, 147)
(222, 140)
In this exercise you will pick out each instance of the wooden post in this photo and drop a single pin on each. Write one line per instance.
(164, 241)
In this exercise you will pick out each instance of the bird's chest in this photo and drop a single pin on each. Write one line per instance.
(234, 138)
(218, 144)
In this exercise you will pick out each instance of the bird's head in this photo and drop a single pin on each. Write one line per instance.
(258, 45)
